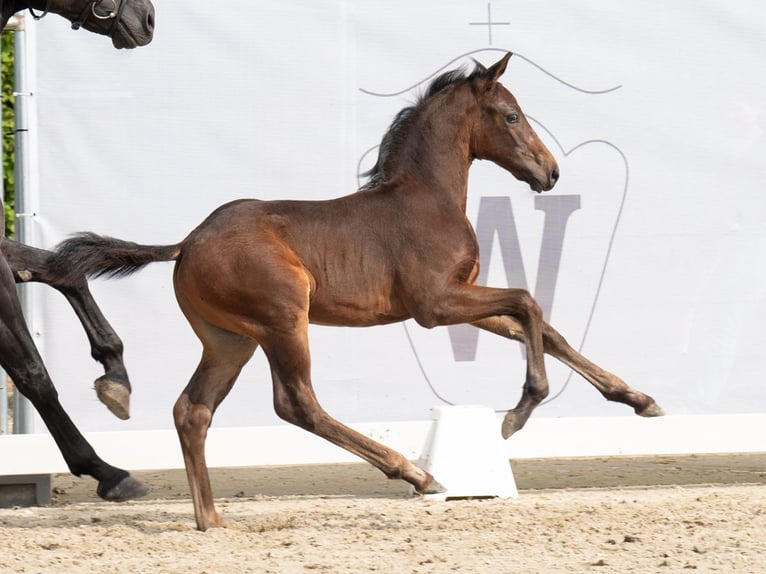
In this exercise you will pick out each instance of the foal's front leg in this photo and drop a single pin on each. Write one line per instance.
(32, 264)
(465, 303)
(612, 387)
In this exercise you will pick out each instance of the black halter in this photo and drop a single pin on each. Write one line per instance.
(43, 15)
(90, 10)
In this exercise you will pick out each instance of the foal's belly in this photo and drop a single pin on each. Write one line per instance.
(360, 310)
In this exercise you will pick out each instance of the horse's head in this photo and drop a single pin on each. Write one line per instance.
(129, 23)
(504, 135)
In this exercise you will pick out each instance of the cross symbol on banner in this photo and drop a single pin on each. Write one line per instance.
(489, 23)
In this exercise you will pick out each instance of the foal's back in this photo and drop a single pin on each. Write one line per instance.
(330, 260)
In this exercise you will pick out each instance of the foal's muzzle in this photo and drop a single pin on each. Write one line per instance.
(546, 183)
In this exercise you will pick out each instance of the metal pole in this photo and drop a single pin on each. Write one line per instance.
(23, 421)
(3, 376)
(12, 25)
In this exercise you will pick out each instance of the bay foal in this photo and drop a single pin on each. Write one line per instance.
(256, 273)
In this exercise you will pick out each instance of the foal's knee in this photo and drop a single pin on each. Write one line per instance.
(528, 307)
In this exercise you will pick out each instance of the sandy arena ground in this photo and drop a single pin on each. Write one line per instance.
(649, 514)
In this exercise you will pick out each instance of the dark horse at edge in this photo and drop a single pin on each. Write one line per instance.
(256, 273)
(129, 24)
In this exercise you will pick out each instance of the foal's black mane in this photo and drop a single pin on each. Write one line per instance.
(400, 126)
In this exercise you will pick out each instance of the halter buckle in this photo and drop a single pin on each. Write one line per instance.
(109, 16)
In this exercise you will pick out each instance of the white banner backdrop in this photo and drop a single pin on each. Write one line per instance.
(647, 255)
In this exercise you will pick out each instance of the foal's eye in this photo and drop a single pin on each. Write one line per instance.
(512, 118)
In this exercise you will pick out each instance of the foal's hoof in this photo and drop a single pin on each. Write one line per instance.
(653, 410)
(127, 489)
(511, 424)
(433, 487)
(115, 396)
(207, 522)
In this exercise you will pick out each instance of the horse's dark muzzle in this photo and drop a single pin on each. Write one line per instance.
(135, 31)
(149, 26)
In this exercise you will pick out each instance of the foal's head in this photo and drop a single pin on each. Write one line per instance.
(489, 117)
(504, 135)
(129, 23)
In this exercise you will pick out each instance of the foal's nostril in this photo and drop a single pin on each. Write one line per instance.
(555, 175)
(150, 20)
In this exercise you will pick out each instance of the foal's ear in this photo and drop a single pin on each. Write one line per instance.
(493, 73)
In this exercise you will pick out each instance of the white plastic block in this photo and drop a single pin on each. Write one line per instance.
(465, 452)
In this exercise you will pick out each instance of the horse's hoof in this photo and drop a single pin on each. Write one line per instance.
(653, 410)
(127, 489)
(433, 487)
(115, 396)
(511, 424)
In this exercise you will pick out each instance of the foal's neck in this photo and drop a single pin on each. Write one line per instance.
(438, 151)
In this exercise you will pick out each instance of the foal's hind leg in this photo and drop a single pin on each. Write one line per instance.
(31, 264)
(295, 402)
(611, 386)
(223, 356)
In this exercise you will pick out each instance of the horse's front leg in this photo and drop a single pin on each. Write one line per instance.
(612, 387)
(32, 264)
(20, 358)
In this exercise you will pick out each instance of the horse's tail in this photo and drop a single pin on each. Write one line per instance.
(95, 255)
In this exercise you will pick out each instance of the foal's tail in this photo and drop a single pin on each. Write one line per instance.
(95, 255)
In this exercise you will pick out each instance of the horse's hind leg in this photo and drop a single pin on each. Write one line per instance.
(295, 402)
(21, 360)
(612, 387)
(31, 264)
(223, 356)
